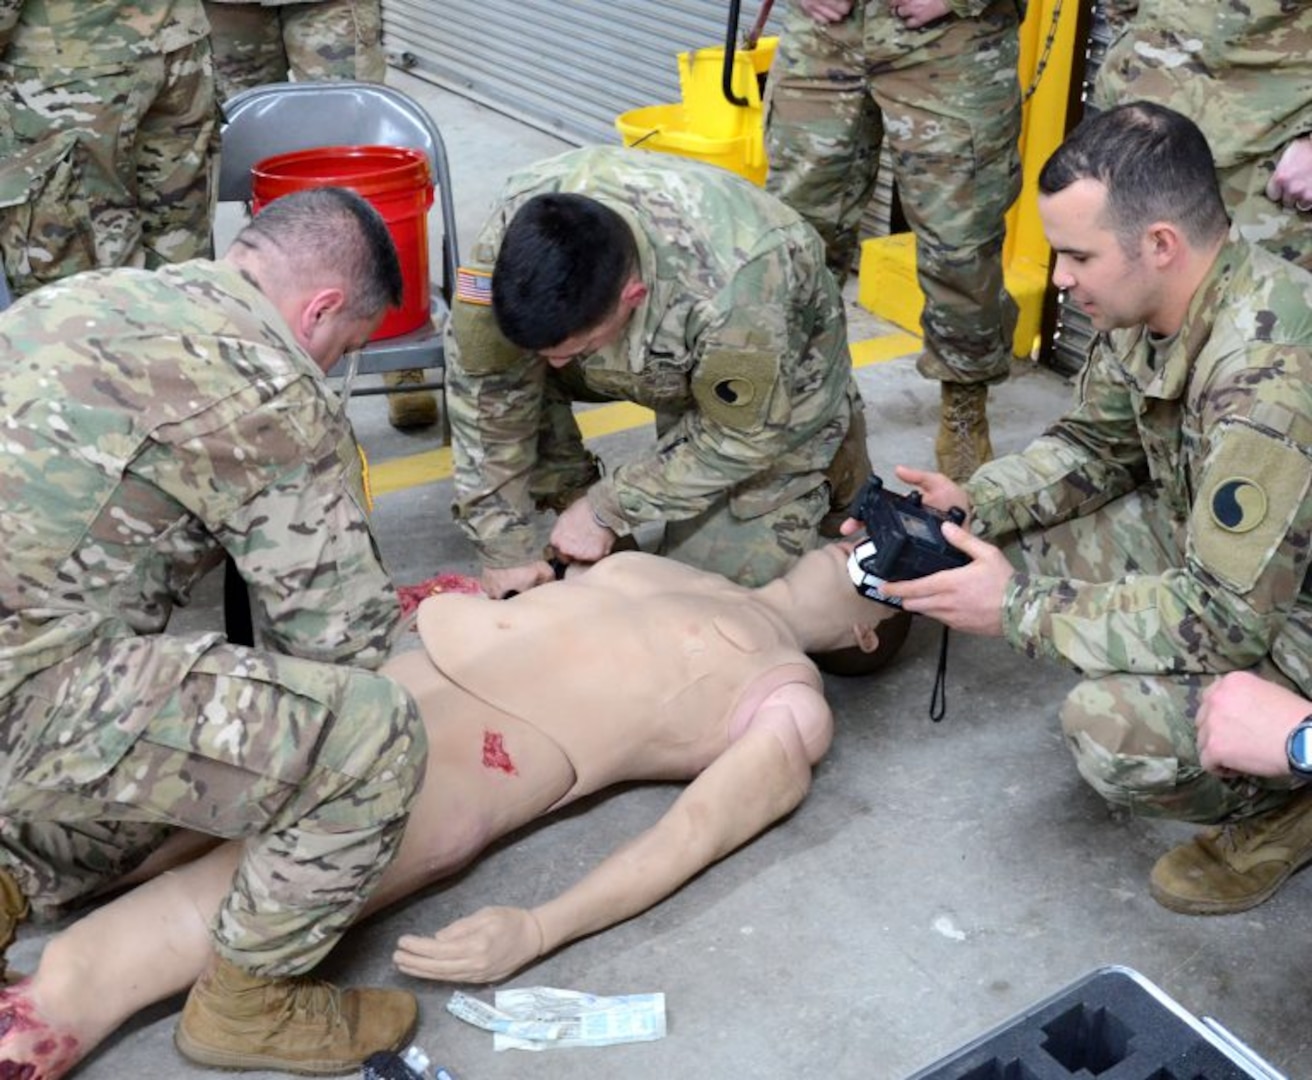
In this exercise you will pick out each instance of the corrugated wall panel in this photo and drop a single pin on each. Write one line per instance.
(568, 66)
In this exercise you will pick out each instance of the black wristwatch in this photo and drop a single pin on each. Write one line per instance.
(1298, 748)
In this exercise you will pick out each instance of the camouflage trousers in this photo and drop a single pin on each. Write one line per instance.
(1133, 735)
(758, 529)
(1257, 218)
(314, 766)
(106, 168)
(947, 99)
(322, 39)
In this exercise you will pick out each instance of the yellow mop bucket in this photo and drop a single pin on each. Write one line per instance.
(706, 125)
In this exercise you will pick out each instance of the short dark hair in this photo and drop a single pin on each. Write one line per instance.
(1155, 164)
(563, 264)
(332, 231)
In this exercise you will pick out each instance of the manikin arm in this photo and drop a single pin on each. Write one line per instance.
(760, 778)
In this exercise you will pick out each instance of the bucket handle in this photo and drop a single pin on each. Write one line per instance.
(731, 43)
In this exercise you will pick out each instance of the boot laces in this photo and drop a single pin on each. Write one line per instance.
(315, 999)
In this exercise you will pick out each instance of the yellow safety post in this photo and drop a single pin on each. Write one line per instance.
(887, 284)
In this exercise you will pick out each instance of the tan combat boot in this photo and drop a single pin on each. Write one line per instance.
(963, 444)
(1235, 867)
(13, 910)
(236, 1020)
(409, 408)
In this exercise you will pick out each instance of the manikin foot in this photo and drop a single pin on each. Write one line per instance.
(31, 1046)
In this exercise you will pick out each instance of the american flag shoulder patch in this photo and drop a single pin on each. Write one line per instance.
(473, 286)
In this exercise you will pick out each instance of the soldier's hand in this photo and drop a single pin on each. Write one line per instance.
(935, 488)
(917, 13)
(968, 598)
(1243, 723)
(826, 11)
(1291, 182)
(506, 581)
(489, 945)
(580, 537)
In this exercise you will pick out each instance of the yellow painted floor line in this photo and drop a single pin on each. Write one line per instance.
(892, 346)
(430, 466)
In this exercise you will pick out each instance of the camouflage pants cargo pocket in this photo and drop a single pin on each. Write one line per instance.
(45, 227)
(314, 765)
(1133, 740)
(1132, 735)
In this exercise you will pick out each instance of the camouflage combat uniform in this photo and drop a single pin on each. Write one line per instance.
(740, 347)
(1164, 528)
(156, 421)
(947, 98)
(108, 131)
(1243, 74)
(268, 41)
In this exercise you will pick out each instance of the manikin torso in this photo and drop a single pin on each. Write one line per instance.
(640, 668)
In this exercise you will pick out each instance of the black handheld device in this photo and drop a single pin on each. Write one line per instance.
(904, 540)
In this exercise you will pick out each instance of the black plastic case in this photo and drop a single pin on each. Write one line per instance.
(1113, 1024)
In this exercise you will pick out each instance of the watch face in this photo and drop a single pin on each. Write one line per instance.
(1300, 748)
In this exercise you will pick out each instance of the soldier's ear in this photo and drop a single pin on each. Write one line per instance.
(633, 293)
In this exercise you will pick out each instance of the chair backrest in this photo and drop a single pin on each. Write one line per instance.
(281, 117)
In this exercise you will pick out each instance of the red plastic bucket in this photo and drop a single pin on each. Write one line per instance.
(396, 180)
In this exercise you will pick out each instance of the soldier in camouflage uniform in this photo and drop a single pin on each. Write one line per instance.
(1163, 528)
(158, 421)
(1242, 73)
(937, 78)
(108, 131)
(606, 274)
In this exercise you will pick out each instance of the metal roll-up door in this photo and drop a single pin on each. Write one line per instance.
(567, 66)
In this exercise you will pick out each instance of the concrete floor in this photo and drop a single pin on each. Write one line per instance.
(940, 879)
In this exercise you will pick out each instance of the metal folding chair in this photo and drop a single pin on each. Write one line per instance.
(282, 117)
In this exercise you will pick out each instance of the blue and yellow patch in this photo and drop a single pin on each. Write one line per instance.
(1238, 505)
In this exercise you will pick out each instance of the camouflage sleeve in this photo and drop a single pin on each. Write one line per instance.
(279, 482)
(743, 384)
(1089, 457)
(1247, 548)
(494, 413)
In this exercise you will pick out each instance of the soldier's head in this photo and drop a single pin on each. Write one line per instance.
(325, 259)
(566, 278)
(1132, 208)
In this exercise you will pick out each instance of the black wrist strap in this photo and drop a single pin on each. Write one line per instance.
(938, 699)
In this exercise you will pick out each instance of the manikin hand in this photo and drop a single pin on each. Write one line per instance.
(917, 13)
(1291, 183)
(502, 582)
(1243, 723)
(580, 537)
(489, 945)
(969, 598)
(826, 11)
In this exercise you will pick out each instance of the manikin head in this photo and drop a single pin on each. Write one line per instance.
(566, 277)
(326, 261)
(1131, 206)
(823, 607)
